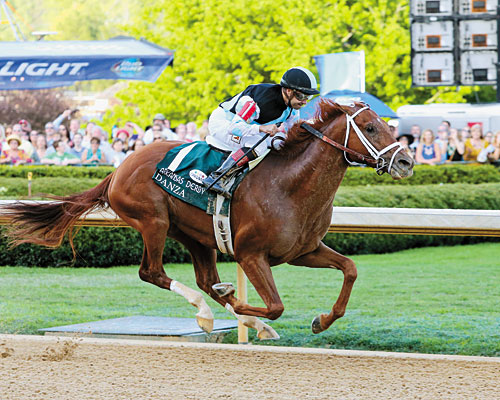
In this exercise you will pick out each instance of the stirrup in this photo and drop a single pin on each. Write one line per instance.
(217, 188)
(220, 190)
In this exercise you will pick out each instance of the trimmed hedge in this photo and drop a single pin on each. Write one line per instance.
(106, 247)
(427, 175)
(21, 171)
(95, 247)
(60, 186)
(355, 176)
(485, 196)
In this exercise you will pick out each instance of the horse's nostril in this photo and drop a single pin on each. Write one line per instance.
(405, 163)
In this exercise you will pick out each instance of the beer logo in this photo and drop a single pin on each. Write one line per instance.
(197, 175)
(128, 67)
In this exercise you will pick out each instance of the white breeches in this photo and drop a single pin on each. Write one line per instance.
(220, 127)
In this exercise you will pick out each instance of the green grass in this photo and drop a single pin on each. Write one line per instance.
(433, 300)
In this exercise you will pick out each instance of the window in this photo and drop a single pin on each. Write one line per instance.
(432, 7)
(479, 40)
(478, 5)
(434, 75)
(433, 41)
(480, 74)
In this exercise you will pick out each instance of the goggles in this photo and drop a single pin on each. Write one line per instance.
(302, 96)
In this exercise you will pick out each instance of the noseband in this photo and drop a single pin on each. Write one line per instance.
(376, 161)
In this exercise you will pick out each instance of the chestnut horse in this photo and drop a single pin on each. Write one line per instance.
(280, 213)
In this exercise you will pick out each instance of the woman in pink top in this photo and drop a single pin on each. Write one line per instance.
(12, 154)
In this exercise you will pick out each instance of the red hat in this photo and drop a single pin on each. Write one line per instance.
(122, 130)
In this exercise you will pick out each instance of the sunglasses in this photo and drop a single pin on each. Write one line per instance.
(302, 96)
(158, 138)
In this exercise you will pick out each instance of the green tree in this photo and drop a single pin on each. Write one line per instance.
(75, 20)
(221, 46)
(224, 45)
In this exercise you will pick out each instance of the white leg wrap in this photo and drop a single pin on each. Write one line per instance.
(195, 298)
(254, 323)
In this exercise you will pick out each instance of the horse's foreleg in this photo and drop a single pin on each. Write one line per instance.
(259, 274)
(324, 257)
(207, 279)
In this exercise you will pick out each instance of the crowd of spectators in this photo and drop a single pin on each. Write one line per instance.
(448, 144)
(66, 141)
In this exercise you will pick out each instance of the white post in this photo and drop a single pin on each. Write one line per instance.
(242, 296)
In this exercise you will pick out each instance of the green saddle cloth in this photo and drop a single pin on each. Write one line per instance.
(183, 169)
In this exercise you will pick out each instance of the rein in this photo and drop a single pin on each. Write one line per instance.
(376, 161)
(368, 160)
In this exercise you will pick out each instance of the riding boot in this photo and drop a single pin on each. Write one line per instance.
(228, 168)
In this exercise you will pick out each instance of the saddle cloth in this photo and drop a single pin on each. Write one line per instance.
(183, 169)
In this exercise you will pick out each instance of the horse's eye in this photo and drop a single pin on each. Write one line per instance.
(370, 128)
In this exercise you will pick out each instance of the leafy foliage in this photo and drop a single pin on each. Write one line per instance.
(223, 46)
(83, 20)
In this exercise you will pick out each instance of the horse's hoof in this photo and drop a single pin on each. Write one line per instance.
(316, 325)
(206, 324)
(223, 289)
(268, 333)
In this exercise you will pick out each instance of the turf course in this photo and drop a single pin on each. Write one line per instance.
(432, 300)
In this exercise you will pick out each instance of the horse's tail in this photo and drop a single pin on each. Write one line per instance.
(46, 223)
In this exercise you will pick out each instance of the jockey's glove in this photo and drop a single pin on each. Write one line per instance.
(278, 142)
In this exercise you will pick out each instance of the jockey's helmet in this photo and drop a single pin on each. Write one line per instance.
(300, 79)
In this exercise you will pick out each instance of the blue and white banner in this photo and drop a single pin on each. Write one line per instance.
(46, 64)
(341, 71)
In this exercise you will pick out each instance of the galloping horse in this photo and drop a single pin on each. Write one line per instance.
(279, 213)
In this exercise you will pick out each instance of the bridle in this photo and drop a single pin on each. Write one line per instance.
(376, 161)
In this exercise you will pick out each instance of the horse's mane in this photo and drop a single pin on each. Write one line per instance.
(297, 137)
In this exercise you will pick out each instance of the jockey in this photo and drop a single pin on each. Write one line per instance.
(242, 120)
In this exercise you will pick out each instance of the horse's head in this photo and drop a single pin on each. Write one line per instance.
(367, 139)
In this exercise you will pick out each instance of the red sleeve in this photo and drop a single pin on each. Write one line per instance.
(247, 110)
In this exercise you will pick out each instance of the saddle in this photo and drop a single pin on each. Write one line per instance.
(182, 171)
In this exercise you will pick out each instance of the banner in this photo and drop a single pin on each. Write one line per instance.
(341, 71)
(47, 64)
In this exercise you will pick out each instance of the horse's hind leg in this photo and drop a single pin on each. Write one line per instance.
(205, 268)
(324, 257)
(154, 234)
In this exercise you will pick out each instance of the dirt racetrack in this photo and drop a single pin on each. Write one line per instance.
(48, 368)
